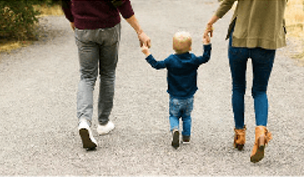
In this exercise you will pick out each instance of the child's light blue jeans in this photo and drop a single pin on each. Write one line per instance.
(181, 108)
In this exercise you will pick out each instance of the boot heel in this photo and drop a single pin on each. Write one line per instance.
(261, 141)
(259, 155)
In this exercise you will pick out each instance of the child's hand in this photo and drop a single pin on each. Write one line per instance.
(206, 40)
(145, 50)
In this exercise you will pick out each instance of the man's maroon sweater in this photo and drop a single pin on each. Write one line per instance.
(93, 14)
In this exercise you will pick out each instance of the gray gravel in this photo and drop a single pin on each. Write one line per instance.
(38, 129)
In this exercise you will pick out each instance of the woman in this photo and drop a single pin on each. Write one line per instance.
(256, 31)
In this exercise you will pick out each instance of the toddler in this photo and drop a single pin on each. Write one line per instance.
(182, 81)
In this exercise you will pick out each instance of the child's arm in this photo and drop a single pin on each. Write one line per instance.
(145, 50)
(207, 51)
(151, 60)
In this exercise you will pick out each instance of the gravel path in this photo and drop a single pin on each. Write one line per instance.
(38, 129)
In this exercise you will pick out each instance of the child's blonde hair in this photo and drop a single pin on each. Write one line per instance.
(182, 42)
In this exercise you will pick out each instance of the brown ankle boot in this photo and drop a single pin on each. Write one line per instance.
(262, 137)
(239, 138)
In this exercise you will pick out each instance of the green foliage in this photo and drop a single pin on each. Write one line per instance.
(18, 19)
(47, 2)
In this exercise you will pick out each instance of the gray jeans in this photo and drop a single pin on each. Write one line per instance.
(97, 50)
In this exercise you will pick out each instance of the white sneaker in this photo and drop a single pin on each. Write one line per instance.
(105, 129)
(87, 138)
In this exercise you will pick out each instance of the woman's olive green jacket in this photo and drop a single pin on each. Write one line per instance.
(257, 23)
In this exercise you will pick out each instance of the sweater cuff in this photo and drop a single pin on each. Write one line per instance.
(207, 47)
(126, 9)
(149, 57)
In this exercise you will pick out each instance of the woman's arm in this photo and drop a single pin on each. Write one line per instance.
(225, 6)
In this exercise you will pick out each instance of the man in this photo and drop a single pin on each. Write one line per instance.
(97, 33)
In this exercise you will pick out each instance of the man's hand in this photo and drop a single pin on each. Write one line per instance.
(144, 39)
(145, 50)
(73, 26)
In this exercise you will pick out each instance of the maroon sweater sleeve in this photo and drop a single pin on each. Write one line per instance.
(126, 9)
(66, 7)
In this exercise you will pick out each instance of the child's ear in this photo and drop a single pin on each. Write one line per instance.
(190, 48)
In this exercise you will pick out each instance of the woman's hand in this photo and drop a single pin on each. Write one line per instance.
(209, 27)
(208, 30)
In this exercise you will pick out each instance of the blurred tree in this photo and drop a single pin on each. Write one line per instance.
(18, 19)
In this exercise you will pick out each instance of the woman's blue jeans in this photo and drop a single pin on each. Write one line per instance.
(262, 63)
(181, 108)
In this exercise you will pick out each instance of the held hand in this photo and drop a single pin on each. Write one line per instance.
(144, 39)
(73, 26)
(209, 27)
(206, 40)
(208, 31)
(145, 50)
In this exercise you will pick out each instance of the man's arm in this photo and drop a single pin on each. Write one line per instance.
(143, 38)
(126, 10)
(66, 7)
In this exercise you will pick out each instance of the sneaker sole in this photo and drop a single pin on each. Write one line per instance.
(86, 140)
(101, 133)
(175, 142)
(104, 133)
(186, 142)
